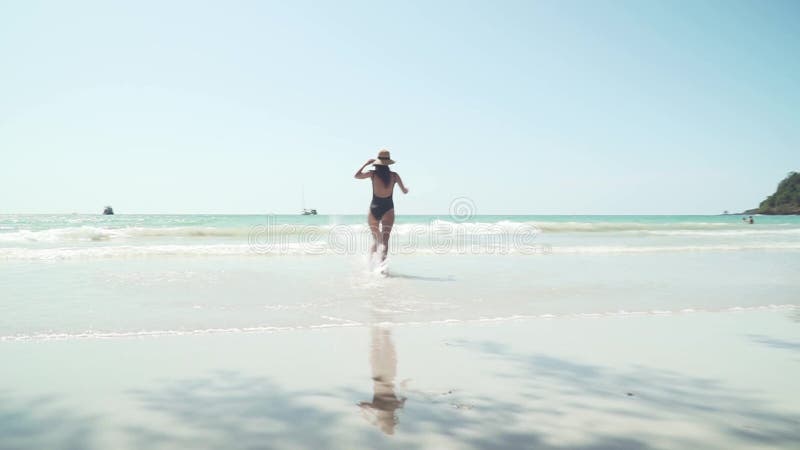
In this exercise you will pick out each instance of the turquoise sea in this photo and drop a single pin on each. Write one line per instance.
(92, 276)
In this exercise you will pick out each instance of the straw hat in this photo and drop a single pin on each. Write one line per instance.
(384, 159)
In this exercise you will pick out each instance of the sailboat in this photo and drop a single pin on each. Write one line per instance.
(306, 212)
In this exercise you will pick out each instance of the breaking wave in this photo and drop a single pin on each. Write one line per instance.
(325, 248)
(257, 237)
(101, 234)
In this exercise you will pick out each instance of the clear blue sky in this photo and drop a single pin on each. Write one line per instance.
(525, 107)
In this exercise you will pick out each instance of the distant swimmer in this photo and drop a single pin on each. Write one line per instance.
(381, 210)
(750, 220)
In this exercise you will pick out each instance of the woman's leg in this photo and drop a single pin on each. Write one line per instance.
(387, 222)
(376, 234)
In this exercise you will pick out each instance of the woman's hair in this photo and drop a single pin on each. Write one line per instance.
(384, 174)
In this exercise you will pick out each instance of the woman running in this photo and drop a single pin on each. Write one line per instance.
(381, 210)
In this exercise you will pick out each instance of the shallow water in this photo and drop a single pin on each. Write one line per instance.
(93, 276)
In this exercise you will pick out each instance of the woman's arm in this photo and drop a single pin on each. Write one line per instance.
(400, 182)
(360, 174)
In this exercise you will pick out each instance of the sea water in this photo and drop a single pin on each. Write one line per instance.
(85, 277)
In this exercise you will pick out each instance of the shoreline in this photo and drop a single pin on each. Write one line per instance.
(267, 330)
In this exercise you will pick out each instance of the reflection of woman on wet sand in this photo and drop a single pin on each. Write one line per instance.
(385, 402)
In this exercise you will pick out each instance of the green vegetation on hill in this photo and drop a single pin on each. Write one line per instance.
(785, 200)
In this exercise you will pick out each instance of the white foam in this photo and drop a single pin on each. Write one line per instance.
(323, 248)
(434, 227)
(88, 233)
(605, 227)
(729, 233)
(612, 249)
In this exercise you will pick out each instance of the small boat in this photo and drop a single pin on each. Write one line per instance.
(306, 211)
(108, 211)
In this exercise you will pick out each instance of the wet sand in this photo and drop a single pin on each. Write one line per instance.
(696, 380)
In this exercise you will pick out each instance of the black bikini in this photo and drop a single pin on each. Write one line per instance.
(380, 205)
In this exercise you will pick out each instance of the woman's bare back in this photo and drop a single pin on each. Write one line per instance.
(380, 189)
